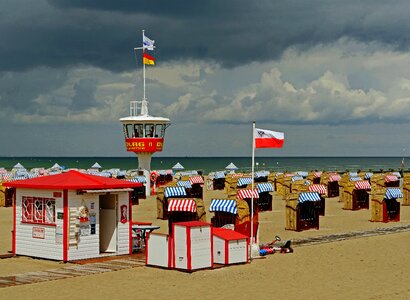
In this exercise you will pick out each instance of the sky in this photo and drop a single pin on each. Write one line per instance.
(334, 76)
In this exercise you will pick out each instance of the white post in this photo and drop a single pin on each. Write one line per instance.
(253, 170)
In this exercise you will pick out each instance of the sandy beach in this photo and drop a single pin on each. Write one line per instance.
(374, 267)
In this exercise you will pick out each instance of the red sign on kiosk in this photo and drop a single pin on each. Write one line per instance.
(144, 144)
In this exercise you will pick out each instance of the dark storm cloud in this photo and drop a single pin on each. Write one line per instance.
(84, 95)
(61, 33)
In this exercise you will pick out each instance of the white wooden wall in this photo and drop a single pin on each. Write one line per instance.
(25, 243)
(158, 254)
(180, 247)
(237, 251)
(201, 247)
(219, 250)
(200, 250)
(123, 233)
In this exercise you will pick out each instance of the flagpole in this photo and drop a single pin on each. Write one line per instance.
(253, 176)
(143, 64)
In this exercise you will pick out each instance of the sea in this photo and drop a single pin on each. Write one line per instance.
(210, 164)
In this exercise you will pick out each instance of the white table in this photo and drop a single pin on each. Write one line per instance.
(139, 235)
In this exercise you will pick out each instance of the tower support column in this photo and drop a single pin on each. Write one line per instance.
(144, 163)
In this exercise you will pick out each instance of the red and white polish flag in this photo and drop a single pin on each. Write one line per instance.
(268, 139)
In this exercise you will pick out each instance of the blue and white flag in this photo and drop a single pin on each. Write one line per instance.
(147, 43)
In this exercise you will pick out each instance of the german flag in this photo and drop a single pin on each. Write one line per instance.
(148, 59)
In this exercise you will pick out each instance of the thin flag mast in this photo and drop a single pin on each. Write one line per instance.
(149, 45)
(253, 179)
(262, 138)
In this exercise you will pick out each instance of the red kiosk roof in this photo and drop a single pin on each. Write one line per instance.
(72, 180)
(228, 234)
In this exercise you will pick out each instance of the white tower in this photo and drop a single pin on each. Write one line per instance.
(144, 134)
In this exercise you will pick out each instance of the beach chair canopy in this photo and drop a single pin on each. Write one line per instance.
(244, 181)
(304, 174)
(18, 178)
(231, 167)
(162, 172)
(320, 188)
(355, 178)
(196, 179)
(178, 167)
(265, 187)
(185, 183)
(390, 178)
(261, 174)
(352, 174)
(6, 177)
(120, 173)
(21, 173)
(318, 174)
(189, 173)
(181, 205)
(174, 191)
(248, 193)
(219, 175)
(308, 196)
(141, 179)
(393, 193)
(104, 174)
(297, 177)
(368, 175)
(362, 185)
(224, 205)
(397, 174)
(334, 177)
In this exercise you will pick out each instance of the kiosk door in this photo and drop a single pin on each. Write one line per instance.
(108, 223)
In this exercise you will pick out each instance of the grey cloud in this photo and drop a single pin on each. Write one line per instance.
(231, 33)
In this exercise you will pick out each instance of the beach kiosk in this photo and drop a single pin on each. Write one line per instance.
(302, 211)
(385, 207)
(72, 216)
(144, 134)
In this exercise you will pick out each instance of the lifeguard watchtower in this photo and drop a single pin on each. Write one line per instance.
(144, 134)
